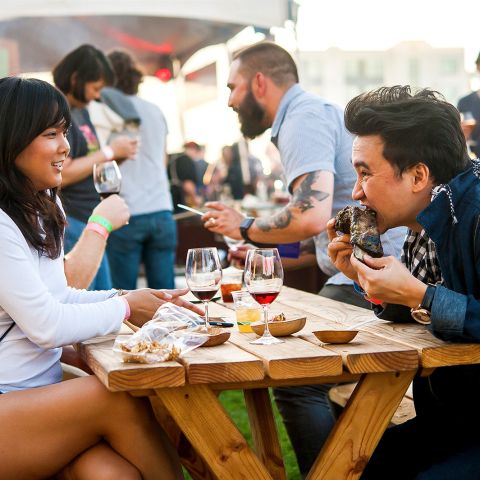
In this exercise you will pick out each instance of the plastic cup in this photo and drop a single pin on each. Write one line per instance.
(231, 282)
(247, 310)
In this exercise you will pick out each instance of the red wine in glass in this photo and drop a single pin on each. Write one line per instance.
(203, 274)
(264, 278)
(264, 298)
(204, 295)
(104, 195)
(107, 178)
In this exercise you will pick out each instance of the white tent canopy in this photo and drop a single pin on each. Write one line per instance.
(266, 13)
(35, 34)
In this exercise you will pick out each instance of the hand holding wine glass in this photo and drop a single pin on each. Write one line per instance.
(107, 178)
(203, 274)
(264, 279)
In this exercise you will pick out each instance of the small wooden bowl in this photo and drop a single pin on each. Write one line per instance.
(280, 329)
(335, 336)
(216, 336)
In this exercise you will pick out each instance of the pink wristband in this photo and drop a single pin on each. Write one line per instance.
(127, 308)
(98, 228)
(107, 150)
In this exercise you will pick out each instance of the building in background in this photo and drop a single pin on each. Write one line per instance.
(339, 75)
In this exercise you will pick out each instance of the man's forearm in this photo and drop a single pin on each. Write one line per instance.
(306, 215)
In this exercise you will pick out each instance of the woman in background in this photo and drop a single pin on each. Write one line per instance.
(81, 75)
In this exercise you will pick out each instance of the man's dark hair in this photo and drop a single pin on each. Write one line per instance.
(128, 76)
(28, 107)
(271, 60)
(84, 64)
(420, 127)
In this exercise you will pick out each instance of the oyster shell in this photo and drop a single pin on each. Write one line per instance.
(361, 224)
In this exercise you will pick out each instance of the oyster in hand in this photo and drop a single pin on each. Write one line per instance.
(361, 224)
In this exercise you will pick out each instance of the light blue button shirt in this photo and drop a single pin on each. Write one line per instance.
(310, 135)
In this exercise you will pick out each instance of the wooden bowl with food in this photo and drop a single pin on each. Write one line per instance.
(280, 325)
(216, 336)
(335, 336)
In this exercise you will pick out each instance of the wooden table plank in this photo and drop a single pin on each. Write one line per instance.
(197, 411)
(371, 353)
(223, 363)
(295, 358)
(117, 376)
(433, 351)
(264, 431)
(360, 426)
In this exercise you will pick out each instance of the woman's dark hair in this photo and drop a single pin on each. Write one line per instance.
(128, 76)
(28, 107)
(415, 128)
(84, 64)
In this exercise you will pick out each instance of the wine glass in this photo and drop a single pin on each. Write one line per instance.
(264, 279)
(203, 274)
(107, 178)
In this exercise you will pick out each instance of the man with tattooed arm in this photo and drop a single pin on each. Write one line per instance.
(315, 150)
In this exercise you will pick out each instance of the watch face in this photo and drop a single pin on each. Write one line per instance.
(421, 315)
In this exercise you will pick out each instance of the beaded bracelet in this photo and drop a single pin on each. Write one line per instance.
(101, 221)
(98, 228)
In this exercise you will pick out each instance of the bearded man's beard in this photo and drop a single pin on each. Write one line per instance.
(251, 116)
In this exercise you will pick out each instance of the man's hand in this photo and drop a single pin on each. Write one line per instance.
(114, 209)
(124, 147)
(339, 250)
(146, 301)
(224, 220)
(388, 280)
(238, 254)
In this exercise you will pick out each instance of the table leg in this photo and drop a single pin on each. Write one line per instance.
(190, 459)
(361, 425)
(264, 431)
(201, 417)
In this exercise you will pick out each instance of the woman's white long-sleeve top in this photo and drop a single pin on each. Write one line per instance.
(47, 313)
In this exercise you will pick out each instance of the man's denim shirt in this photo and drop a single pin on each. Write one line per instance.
(454, 226)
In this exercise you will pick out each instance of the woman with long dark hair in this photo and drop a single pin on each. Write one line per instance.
(81, 75)
(73, 429)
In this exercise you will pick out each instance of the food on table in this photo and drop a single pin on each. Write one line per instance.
(361, 224)
(169, 352)
(279, 318)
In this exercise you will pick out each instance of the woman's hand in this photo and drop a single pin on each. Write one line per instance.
(145, 302)
(388, 280)
(339, 250)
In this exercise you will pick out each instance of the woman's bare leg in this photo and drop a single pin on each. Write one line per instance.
(99, 462)
(44, 429)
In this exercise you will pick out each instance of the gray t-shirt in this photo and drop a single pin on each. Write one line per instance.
(310, 135)
(145, 186)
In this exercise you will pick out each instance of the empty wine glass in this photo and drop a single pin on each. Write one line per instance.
(203, 274)
(107, 178)
(264, 279)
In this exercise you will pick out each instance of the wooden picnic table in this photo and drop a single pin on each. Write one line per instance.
(384, 357)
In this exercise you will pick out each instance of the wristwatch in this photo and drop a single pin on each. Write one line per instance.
(422, 313)
(244, 226)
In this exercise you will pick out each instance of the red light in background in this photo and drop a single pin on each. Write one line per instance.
(163, 74)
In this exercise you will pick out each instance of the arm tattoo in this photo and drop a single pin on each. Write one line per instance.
(302, 200)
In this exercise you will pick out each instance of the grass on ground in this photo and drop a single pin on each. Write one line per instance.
(234, 403)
